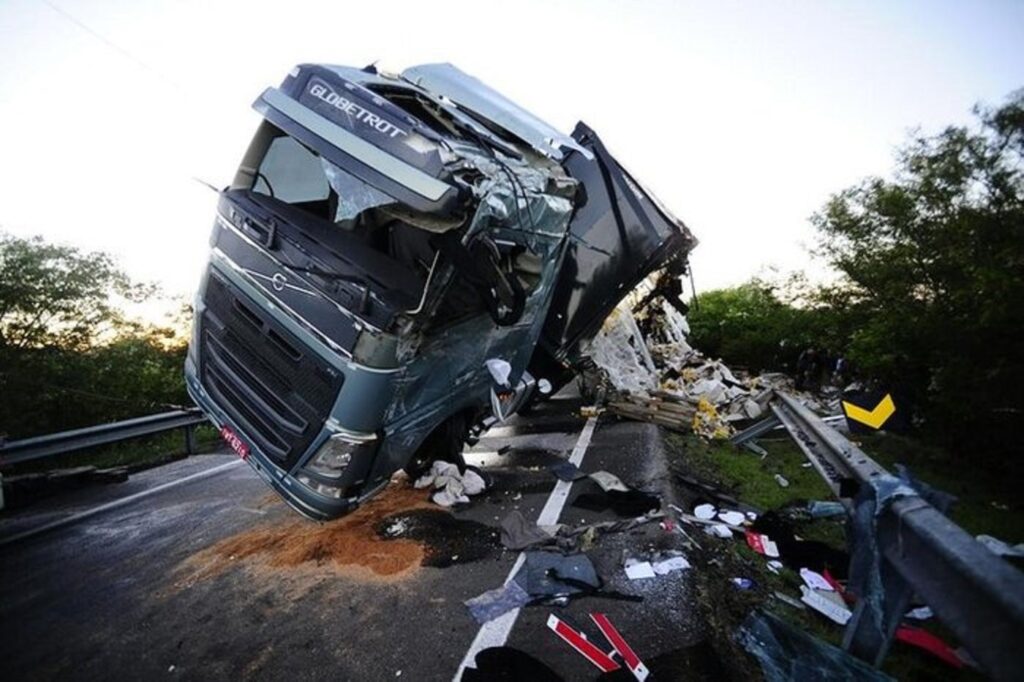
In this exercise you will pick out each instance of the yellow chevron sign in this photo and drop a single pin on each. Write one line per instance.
(873, 418)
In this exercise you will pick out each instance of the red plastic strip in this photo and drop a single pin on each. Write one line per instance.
(630, 658)
(579, 642)
(930, 643)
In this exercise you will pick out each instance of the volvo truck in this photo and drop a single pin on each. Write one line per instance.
(401, 261)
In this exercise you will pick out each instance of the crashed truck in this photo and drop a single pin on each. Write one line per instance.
(401, 262)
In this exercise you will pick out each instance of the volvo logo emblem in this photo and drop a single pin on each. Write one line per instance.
(278, 281)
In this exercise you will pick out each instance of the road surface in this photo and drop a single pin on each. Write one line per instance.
(156, 579)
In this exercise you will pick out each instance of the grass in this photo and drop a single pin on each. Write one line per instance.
(751, 479)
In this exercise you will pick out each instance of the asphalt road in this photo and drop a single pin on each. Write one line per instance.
(132, 591)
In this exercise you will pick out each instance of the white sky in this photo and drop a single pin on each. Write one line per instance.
(742, 117)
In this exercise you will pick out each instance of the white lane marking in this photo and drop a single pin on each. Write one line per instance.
(80, 516)
(496, 632)
(500, 432)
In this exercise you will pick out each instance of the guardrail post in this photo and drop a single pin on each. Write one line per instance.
(190, 439)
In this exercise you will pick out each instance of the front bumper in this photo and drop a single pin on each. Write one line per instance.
(298, 496)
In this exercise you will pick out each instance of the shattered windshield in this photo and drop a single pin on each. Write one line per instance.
(296, 175)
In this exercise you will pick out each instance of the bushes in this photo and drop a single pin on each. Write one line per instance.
(928, 299)
(68, 356)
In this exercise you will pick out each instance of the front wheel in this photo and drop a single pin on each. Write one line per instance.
(445, 443)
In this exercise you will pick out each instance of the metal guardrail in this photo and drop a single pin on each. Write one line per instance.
(975, 593)
(29, 449)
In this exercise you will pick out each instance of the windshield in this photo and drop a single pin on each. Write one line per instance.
(296, 175)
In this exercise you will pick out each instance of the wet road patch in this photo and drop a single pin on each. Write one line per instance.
(447, 540)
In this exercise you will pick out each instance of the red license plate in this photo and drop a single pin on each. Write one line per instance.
(234, 442)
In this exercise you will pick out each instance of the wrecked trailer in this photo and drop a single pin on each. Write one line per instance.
(401, 262)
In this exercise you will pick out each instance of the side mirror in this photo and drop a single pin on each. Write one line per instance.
(500, 371)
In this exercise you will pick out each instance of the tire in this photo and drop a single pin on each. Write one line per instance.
(445, 443)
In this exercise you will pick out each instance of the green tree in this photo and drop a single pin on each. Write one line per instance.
(57, 296)
(69, 356)
(933, 272)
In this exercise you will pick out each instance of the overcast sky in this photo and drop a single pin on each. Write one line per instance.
(742, 117)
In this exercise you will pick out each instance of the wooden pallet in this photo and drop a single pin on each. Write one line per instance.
(674, 413)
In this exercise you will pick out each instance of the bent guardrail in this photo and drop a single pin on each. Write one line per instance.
(903, 544)
(29, 449)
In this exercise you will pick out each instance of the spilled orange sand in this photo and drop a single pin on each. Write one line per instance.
(349, 544)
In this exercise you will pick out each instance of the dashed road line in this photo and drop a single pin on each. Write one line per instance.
(495, 632)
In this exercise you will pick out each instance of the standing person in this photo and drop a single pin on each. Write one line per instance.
(805, 364)
(839, 374)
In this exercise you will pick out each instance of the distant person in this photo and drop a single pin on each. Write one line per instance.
(806, 364)
(840, 373)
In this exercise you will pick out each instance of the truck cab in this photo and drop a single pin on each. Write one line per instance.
(397, 262)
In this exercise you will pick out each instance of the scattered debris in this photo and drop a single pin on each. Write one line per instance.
(518, 533)
(719, 530)
(609, 482)
(704, 511)
(761, 544)
(743, 583)
(620, 646)
(496, 602)
(578, 641)
(672, 561)
(733, 518)
(604, 661)
(637, 569)
(566, 471)
(631, 503)
(798, 554)
(660, 378)
(920, 613)
(786, 653)
(819, 509)
(819, 600)
(661, 563)
(774, 566)
(815, 580)
(549, 574)
(926, 641)
(452, 486)
(781, 480)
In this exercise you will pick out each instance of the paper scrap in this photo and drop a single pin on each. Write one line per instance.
(636, 570)
(824, 605)
(815, 580)
(704, 511)
(762, 544)
(718, 530)
(676, 563)
(733, 518)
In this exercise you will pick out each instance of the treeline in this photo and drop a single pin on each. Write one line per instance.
(69, 357)
(929, 300)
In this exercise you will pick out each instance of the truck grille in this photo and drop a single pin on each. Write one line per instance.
(276, 389)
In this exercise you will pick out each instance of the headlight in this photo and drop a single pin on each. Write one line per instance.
(332, 457)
